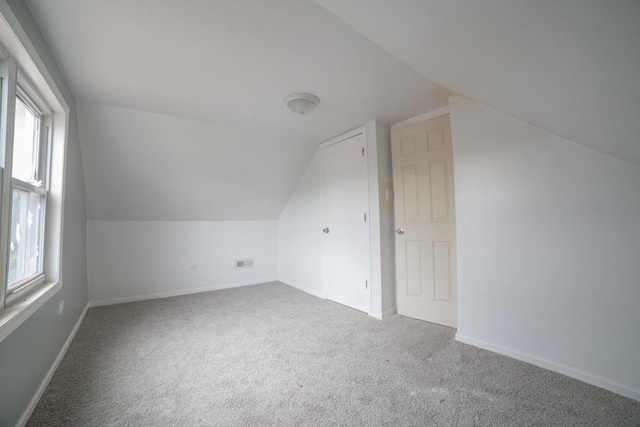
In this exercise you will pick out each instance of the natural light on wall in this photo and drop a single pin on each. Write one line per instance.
(33, 123)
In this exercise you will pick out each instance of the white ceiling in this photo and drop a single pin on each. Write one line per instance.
(145, 166)
(571, 67)
(568, 67)
(228, 63)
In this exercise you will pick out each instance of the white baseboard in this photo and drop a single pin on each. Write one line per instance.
(302, 288)
(177, 293)
(386, 313)
(389, 312)
(45, 381)
(579, 374)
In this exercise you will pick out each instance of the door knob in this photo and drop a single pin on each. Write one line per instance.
(400, 231)
(325, 230)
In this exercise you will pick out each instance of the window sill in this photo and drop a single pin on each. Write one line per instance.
(19, 311)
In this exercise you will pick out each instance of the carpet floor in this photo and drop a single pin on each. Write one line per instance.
(271, 355)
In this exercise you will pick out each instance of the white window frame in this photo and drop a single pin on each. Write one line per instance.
(18, 86)
(38, 185)
(21, 64)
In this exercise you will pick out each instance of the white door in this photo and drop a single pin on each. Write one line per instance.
(346, 246)
(425, 221)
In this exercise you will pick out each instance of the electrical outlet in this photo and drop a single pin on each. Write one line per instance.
(60, 307)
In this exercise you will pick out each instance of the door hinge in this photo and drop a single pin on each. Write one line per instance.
(362, 151)
(365, 217)
(366, 284)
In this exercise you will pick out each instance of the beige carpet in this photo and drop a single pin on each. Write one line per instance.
(270, 355)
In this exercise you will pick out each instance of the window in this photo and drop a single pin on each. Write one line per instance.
(28, 197)
(27, 122)
(34, 122)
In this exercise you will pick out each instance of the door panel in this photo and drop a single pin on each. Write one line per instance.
(425, 210)
(442, 270)
(413, 250)
(346, 246)
(410, 202)
(438, 185)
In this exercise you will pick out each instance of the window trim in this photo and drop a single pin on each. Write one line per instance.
(19, 311)
(21, 88)
(17, 48)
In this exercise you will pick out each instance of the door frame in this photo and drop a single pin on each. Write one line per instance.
(442, 111)
(344, 137)
(382, 264)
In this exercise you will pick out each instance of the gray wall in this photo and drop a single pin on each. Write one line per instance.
(28, 353)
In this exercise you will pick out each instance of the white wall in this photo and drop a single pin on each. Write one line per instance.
(383, 181)
(299, 232)
(131, 260)
(163, 192)
(548, 249)
(383, 299)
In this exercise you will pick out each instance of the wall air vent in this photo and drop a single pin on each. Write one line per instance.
(244, 263)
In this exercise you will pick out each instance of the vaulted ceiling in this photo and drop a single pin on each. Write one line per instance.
(226, 67)
(570, 67)
(180, 101)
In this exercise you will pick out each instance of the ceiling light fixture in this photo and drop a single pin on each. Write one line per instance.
(301, 103)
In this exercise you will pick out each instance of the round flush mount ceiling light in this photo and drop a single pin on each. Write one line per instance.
(301, 103)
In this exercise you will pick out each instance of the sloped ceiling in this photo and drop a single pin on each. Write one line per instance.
(147, 72)
(181, 114)
(145, 166)
(571, 67)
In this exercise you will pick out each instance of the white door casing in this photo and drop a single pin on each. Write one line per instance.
(346, 243)
(425, 211)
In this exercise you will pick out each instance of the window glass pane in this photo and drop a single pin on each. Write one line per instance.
(25, 143)
(24, 247)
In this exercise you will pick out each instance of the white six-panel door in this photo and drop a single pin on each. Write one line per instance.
(425, 221)
(346, 245)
